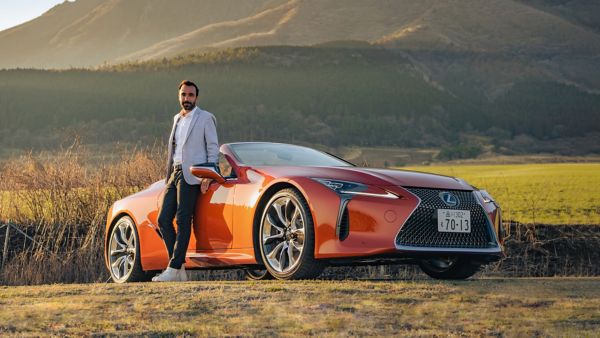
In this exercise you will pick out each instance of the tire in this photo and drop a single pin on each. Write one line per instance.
(449, 268)
(286, 237)
(123, 253)
(257, 274)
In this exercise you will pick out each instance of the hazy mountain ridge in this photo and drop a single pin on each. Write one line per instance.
(214, 35)
(494, 26)
(91, 32)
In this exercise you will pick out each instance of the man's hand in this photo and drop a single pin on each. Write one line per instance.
(205, 184)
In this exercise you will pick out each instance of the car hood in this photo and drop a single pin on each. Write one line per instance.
(379, 177)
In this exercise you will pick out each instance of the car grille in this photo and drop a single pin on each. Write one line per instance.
(420, 230)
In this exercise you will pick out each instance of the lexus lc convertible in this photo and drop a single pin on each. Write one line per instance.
(285, 211)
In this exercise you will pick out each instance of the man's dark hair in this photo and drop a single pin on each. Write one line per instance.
(188, 83)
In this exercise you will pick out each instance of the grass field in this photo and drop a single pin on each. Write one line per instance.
(549, 193)
(497, 307)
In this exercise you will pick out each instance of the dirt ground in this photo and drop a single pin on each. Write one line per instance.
(487, 306)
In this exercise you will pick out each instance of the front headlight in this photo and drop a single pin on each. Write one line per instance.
(353, 188)
(487, 198)
(493, 208)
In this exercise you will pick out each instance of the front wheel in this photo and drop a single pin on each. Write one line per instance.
(287, 239)
(124, 253)
(449, 267)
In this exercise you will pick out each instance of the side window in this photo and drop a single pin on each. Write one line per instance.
(225, 167)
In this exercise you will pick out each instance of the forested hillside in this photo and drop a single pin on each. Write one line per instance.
(365, 96)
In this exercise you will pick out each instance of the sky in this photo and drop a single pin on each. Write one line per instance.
(15, 12)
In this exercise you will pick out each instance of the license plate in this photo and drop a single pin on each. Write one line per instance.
(454, 220)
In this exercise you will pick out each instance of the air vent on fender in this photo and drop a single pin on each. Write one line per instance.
(344, 226)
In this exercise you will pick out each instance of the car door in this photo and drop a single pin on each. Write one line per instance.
(213, 217)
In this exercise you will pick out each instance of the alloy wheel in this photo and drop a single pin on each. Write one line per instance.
(283, 233)
(122, 249)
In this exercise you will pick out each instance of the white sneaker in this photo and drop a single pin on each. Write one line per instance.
(169, 275)
(182, 275)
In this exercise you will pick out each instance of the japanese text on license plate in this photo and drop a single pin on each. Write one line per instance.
(450, 220)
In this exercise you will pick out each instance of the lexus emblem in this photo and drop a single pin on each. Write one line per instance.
(449, 198)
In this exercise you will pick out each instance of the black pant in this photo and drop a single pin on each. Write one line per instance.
(178, 201)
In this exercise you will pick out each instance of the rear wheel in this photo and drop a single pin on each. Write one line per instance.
(449, 267)
(124, 253)
(287, 239)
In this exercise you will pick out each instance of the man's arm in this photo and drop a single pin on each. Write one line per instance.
(211, 139)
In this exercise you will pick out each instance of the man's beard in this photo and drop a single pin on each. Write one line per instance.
(187, 105)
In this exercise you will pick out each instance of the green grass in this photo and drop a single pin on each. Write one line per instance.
(553, 193)
(512, 307)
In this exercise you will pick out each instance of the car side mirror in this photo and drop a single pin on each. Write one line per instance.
(207, 172)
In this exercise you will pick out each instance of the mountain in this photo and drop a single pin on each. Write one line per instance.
(92, 32)
(522, 73)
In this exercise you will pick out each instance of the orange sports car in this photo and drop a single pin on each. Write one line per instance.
(286, 211)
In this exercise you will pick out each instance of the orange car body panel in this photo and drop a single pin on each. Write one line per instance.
(222, 233)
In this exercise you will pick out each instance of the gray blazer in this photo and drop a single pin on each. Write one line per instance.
(200, 144)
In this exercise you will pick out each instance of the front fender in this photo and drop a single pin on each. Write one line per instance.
(143, 210)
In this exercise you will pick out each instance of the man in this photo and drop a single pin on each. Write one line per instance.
(193, 141)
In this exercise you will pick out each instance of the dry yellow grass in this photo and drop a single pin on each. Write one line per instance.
(512, 307)
(548, 193)
(62, 201)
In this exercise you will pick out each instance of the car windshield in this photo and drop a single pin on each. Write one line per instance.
(276, 154)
